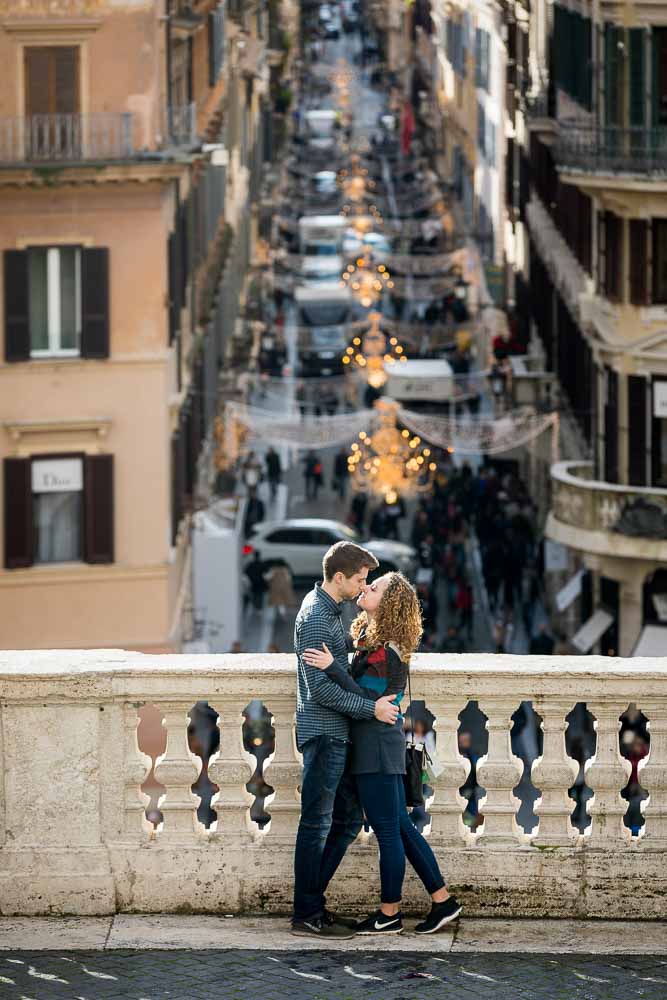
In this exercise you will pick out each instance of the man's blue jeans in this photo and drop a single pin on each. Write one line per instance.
(331, 819)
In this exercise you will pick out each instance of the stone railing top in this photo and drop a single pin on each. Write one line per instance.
(565, 472)
(79, 675)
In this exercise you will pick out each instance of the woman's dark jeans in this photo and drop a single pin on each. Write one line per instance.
(383, 799)
(330, 820)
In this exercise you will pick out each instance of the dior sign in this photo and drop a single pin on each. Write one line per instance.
(59, 475)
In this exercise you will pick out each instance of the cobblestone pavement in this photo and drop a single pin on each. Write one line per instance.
(318, 975)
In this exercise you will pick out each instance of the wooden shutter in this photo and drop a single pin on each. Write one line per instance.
(18, 513)
(612, 70)
(637, 76)
(95, 303)
(611, 428)
(99, 516)
(637, 438)
(51, 79)
(638, 261)
(17, 306)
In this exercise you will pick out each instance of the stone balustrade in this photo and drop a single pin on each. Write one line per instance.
(74, 837)
(585, 514)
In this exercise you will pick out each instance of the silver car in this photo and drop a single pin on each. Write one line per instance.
(300, 544)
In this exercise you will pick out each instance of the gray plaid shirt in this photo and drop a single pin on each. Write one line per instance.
(322, 706)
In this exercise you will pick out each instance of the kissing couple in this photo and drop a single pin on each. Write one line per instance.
(350, 733)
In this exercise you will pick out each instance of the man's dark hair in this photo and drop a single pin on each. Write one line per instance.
(348, 559)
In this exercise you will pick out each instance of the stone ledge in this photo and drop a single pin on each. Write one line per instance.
(144, 933)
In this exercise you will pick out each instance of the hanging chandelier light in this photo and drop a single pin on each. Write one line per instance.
(366, 279)
(388, 462)
(373, 352)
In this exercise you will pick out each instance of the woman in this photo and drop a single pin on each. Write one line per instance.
(386, 633)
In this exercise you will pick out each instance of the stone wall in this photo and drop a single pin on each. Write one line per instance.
(74, 837)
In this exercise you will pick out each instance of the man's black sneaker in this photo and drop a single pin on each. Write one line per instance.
(441, 914)
(330, 918)
(380, 923)
(319, 929)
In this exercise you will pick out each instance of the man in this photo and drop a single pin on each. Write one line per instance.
(274, 470)
(331, 816)
(542, 644)
(341, 473)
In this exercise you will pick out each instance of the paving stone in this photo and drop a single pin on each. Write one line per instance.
(216, 974)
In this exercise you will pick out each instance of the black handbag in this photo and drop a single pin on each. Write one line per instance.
(415, 764)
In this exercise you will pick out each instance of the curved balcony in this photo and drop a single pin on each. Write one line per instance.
(612, 150)
(605, 518)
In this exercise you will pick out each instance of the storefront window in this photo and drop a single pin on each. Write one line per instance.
(57, 488)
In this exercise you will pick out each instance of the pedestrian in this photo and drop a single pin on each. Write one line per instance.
(386, 633)
(254, 512)
(464, 606)
(543, 643)
(379, 525)
(300, 396)
(251, 471)
(281, 594)
(452, 643)
(331, 814)
(309, 463)
(395, 510)
(318, 476)
(255, 571)
(499, 635)
(274, 470)
(341, 473)
(358, 511)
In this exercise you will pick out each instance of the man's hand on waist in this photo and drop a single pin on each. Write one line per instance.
(386, 710)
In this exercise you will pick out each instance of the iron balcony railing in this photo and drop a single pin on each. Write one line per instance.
(612, 149)
(99, 136)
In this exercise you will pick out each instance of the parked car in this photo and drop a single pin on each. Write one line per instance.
(300, 544)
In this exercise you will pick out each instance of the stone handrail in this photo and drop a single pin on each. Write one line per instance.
(590, 504)
(74, 837)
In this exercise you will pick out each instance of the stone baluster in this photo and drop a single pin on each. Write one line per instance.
(283, 773)
(137, 767)
(448, 805)
(499, 774)
(231, 768)
(607, 775)
(178, 769)
(653, 776)
(3, 800)
(553, 774)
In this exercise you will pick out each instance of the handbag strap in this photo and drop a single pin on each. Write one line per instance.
(396, 650)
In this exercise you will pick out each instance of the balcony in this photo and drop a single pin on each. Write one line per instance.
(74, 837)
(97, 137)
(613, 150)
(604, 518)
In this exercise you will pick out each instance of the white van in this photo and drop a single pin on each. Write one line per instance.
(321, 129)
(321, 235)
(324, 314)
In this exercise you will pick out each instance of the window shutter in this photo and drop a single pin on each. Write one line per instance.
(637, 76)
(99, 520)
(638, 261)
(637, 430)
(18, 513)
(174, 272)
(17, 324)
(95, 303)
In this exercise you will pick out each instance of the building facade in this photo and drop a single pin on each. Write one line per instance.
(130, 151)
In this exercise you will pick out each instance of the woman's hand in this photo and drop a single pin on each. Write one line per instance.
(320, 658)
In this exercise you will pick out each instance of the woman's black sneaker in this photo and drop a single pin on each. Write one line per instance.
(380, 923)
(317, 928)
(441, 914)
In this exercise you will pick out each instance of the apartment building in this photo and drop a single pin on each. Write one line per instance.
(130, 154)
(597, 221)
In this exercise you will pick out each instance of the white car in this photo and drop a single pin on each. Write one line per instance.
(300, 544)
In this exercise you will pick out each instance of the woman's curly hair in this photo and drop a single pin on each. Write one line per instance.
(398, 619)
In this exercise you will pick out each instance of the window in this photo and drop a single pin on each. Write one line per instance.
(56, 302)
(51, 76)
(482, 59)
(57, 504)
(54, 279)
(290, 536)
(660, 260)
(58, 508)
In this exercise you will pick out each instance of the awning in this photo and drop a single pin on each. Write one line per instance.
(592, 630)
(652, 641)
(572, 589)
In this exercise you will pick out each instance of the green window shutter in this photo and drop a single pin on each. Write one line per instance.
(637, 76)
(655, 79)
(611, 74)
(587, 63)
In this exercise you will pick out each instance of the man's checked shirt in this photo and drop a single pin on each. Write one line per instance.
(323, 708)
